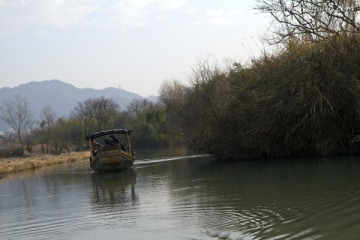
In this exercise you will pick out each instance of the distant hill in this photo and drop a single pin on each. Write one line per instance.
(62, 97)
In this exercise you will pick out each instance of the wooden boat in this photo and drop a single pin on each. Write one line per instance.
(114, 154)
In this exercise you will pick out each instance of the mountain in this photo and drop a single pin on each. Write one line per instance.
(61, 97)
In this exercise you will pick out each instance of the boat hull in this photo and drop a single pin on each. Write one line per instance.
(111, 160)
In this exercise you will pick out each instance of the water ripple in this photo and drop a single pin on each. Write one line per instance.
(186, 198)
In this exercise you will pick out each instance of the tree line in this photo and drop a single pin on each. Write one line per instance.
(55, 135)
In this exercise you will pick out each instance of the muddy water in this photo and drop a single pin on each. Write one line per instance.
(186, 197)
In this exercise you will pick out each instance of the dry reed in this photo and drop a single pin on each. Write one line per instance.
(301, 101)
(21, 164)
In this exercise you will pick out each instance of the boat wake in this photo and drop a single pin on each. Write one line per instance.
(146, 161)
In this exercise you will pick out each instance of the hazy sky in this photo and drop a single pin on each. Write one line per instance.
(131, 44)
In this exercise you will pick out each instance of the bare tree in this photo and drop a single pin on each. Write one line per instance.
(137, 106)
(172, 94)
(102, 110)
(310, 20)
(16, 113)
(48, 120)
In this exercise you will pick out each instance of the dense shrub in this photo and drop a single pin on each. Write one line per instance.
(8, 153)
(302, 101)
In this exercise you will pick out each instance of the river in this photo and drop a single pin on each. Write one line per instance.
(185, 197)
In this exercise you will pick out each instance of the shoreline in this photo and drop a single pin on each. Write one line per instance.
(14, 165)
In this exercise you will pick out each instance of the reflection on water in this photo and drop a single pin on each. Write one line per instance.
(188, 197)
(112, 187)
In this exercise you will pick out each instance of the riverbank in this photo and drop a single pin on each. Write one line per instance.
(13, 165)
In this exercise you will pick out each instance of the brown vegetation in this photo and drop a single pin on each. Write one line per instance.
(20, 164)
(302, 101)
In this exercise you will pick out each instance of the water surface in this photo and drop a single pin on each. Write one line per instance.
(186, 197)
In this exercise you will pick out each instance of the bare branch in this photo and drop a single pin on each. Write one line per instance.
(16, 113)
(311, 19)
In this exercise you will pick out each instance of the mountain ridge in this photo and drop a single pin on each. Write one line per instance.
(61, 97)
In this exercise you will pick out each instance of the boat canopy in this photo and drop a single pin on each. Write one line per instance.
(109, 132)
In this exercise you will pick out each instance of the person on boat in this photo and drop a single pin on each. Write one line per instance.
(108, 145)
(107, 141)
(122, 147)
(113, 140)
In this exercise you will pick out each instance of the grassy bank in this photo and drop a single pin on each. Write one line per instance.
(21, 164)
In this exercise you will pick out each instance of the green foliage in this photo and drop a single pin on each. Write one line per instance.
(302, 101)
(146, 136)
(149, 125)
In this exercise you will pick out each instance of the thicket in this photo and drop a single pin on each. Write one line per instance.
(301, 101)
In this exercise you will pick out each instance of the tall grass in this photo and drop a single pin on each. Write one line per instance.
(302, 101)
(307, 99)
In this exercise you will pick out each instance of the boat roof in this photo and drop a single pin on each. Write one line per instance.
(109, 132)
